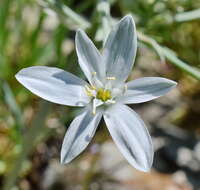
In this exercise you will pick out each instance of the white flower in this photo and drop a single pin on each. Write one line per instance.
(104, 95)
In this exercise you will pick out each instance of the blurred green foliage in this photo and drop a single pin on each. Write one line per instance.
(42, 33)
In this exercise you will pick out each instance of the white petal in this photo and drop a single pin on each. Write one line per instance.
(120, 49)
(131, 136)
(54, 85)
(89, 57)
(146, 89)
(79, 135)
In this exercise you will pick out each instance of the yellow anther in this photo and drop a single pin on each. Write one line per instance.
(103, 94)
(110, 78)
(89, 90)
(88, 93)
(93, 87)
(94, 73)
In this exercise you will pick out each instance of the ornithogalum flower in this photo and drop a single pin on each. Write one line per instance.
(105, 94)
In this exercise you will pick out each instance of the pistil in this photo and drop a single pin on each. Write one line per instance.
(103, 94)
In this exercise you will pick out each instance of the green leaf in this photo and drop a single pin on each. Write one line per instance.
(166, 53)
(13, 106)
(65, 12)
(187, 16)
(180, 64)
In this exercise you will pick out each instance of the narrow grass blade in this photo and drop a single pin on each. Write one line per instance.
(166, 53)
(187, 16)
(180, 64)
(12, 104)
(65, 12)
(28, 144)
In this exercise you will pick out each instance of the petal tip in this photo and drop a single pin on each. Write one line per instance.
(79, 30)
(129, 19)
(64, 160)
(173, 83)
(24, 71)
(80, 33)
(146, 170)
(128, 16)
(146, 167)
(18, 75)
(142, 167)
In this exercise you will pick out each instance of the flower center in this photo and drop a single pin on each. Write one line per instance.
(103, 94)
(100, 93)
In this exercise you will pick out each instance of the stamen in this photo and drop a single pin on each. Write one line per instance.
(111, 101)
(125, 87)
(94, 106)
(94, 73)
(89, 90)
(110, 78)
(93, 87)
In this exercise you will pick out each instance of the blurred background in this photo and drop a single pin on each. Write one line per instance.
(41, 32)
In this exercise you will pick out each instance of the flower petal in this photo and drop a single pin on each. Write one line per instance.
(89, 58)
(120, 49)
(79, 135)
(131, 136)
(54, 85)
(146, 89)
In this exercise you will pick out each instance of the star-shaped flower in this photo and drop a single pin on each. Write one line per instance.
(105, 94)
